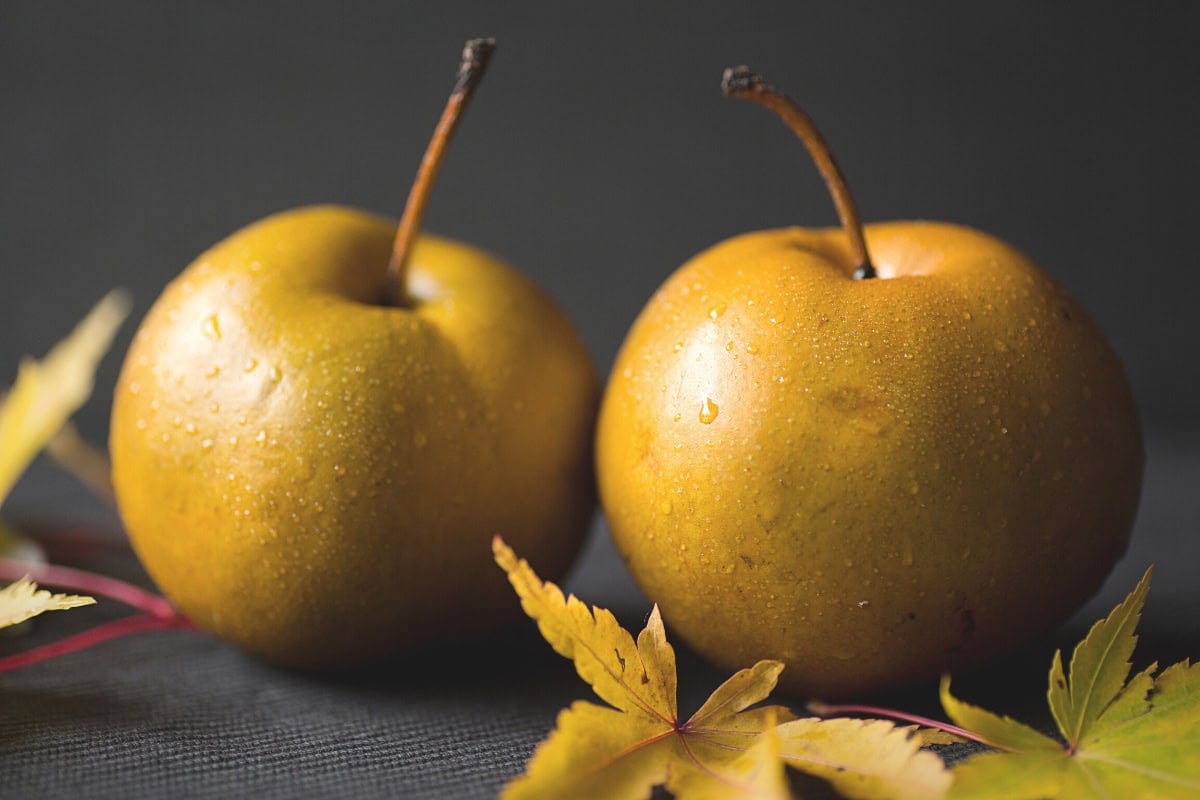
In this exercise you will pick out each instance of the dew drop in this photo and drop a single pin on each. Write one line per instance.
(751, 349)
(708, 411)
(206, 444)
(339, 470)
(665, 507)
(275, 374)
(250, 365)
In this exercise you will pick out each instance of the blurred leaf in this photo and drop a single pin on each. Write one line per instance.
(23, 599)
(48, 392)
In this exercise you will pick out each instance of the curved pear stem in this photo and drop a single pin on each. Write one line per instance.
(745, 83)
(475, 56)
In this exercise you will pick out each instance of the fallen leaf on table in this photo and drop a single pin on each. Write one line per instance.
(756, 772)
(1133, 739)
(23, 599)
(725, 750)
(34, 410)
(48, 392)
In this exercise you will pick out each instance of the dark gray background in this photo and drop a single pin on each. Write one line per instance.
(598, 156)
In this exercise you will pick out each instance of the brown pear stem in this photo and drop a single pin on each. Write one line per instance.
(745, 83)
(475, 55)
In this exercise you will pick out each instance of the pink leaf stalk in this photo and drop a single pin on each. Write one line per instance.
(157, 611)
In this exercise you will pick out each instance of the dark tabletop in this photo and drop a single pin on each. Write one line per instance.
(182, 715)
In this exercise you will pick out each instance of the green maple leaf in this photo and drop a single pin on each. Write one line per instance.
(1126, 738)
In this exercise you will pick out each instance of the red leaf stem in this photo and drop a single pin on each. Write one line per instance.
(93, 636)
(829, 710)
(77, 580)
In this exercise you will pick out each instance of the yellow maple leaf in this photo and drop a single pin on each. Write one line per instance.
(756, 773)
(22, 600)
(725, 750)
(1135, 739)
(48, 392)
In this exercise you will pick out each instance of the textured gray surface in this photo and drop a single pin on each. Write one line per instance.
(181, 715)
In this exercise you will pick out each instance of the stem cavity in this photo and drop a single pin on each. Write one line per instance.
(745, 83)
(475, 56)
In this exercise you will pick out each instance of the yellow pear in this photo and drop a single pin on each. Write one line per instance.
(321, 424)
(874, 454)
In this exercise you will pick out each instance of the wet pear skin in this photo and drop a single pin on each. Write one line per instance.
(316, 476)
(871, 480)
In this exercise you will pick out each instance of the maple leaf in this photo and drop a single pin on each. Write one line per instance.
(725, 750)
(22, 600)
(48, 392)
(34, 410)
(1129, 738)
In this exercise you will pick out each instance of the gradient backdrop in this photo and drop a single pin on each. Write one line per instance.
(599, 155)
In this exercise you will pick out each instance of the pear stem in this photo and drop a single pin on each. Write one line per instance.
(475, 56)
(745, 83)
